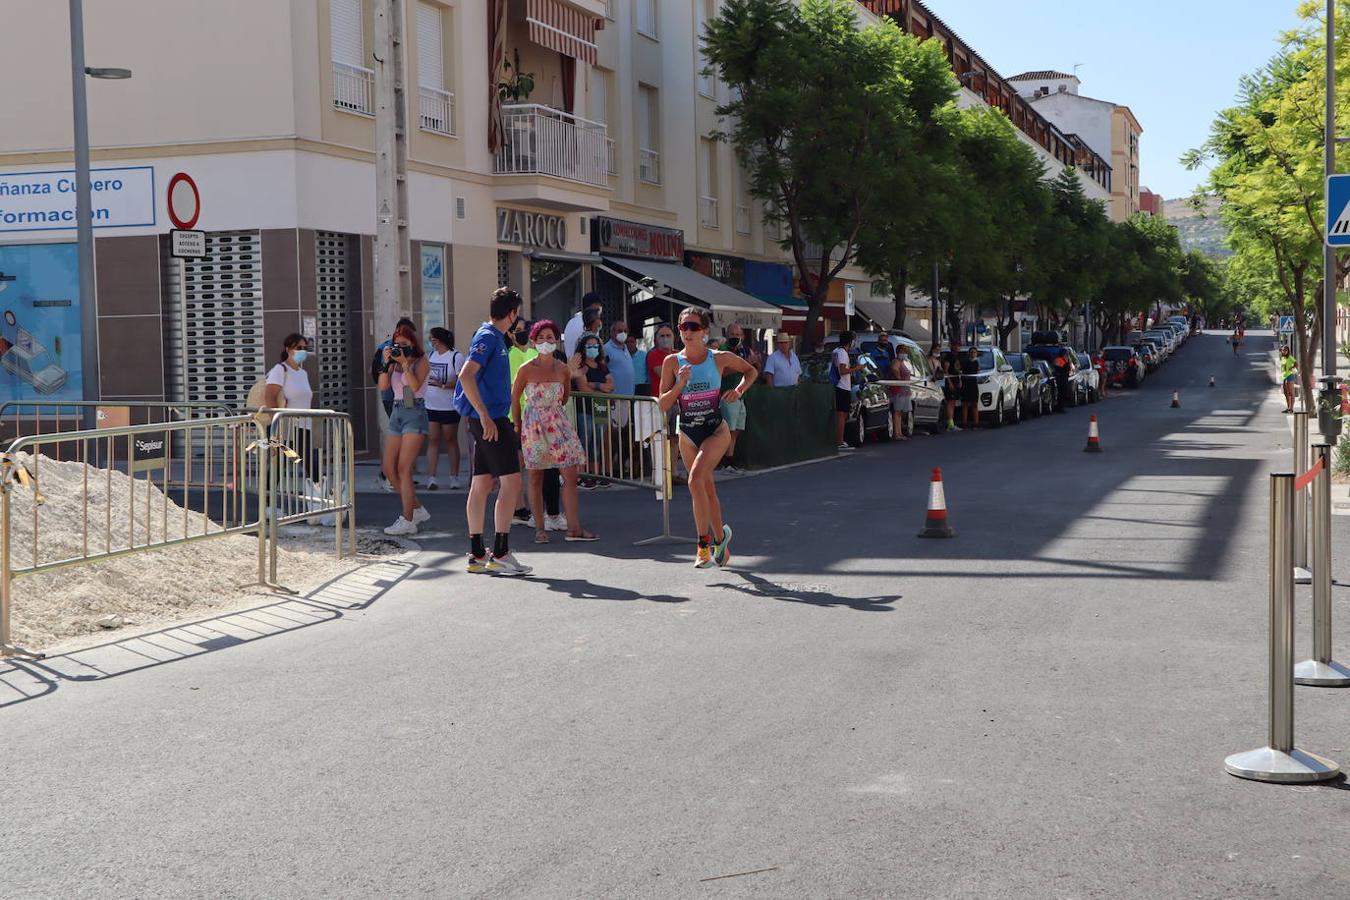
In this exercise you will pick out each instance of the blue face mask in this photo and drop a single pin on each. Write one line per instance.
(592, 352)
(300, 356)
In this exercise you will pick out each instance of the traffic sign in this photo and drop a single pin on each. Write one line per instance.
(1286, 325)
(185, 202)
(1338, 211)
(184, 244)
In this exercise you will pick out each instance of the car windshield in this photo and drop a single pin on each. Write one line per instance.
(1017, 362)
(986, 359)
(1116, 354)
(1083, 360)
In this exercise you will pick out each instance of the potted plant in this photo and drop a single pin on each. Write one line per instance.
(516, 86)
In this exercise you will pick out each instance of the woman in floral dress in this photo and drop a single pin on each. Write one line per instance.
(547, 437)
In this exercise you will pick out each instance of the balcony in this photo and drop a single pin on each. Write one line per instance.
(540, 140)
(707, 212)
(436, 110)
(353, 89)
(742, 219)
(649, 166)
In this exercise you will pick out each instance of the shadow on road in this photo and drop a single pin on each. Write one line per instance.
(23, 680)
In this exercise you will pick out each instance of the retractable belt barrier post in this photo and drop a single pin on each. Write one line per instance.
(627, 441)
(1301, 573)
(1321, 670)
(1280, 761)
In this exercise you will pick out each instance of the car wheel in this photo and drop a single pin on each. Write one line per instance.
(854, 434)
(1017, 411)
(996, 421)
(888, 433)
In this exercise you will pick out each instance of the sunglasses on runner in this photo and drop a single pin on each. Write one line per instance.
(690, 326)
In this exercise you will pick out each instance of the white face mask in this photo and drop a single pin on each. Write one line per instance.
(546, 348)
(620, 337)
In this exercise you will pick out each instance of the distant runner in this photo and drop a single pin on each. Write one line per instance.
(1288, 376)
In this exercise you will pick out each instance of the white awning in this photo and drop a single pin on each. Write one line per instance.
(729, 304)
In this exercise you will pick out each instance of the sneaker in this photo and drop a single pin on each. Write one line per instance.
(527, 521)
(478, 565)
(508, 565)
(586, 484)
(955, 428)
(842, 448)
(555, 523)
(721, 551)
(401, 526)
(432, 485)
(328, 520)
(420, 515)
(704, 558)
(386, 486)
(600, 485)
(455, 483)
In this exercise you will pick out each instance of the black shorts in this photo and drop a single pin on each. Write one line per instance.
(443, 416)
(499, 457)
(843, 400)
(970, 391)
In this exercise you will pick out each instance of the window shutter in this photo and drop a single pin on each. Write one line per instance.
(430, 55)
(348, 39)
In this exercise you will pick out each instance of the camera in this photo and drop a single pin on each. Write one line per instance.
(395, 350)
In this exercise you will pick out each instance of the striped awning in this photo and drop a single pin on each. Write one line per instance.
(559, 27)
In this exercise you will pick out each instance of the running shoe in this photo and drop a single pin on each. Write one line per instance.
(478, 565)
(704, 558)
(432, 485)
(721, 550)
(386, 486)
(844, 447)
(508, 565)
(555, 523)
(420, 515)
(401, 526)
(527, 520)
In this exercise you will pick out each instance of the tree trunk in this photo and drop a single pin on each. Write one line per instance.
(899, 284)
(1306, 359)
(815, 305)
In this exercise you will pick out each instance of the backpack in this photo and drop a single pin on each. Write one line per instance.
(257, 397)
(377, 364)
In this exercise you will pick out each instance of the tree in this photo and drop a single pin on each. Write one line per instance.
(1074, 244)
(814, 100)
(1202, 284)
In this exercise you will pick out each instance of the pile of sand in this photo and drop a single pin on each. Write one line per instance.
(152, 586)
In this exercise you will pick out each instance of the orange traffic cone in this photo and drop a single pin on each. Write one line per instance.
(1094, 444)
(1176, 400)
(936, 525)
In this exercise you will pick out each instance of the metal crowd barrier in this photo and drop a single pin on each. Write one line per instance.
(308, 473)
(627, 442)
(54, 416)
(154, 486)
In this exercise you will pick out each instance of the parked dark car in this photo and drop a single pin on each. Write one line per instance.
(1038, 391)
(1124, 366)
(1061, 359)
(1152, 352)
(1048, 380)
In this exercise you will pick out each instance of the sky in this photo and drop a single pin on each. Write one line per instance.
(1173, 62)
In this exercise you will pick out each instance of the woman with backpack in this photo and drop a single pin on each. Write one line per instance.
(286, 385)
(443, 419)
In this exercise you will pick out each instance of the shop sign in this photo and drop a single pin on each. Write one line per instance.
(40, 327)
(45, 201)
(148, 451)
(635, 239)
(726, 269)
(516, 226)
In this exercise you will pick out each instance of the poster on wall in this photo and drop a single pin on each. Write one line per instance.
(433, 285)
(40, 352)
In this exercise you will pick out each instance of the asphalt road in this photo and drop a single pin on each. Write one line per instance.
(1038, 708)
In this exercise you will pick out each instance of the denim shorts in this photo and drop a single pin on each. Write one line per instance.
(409, 419)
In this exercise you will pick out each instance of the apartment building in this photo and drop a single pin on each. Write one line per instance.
(588, 164)
(1108, 127)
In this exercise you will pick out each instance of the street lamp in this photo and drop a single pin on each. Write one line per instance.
(84, 223)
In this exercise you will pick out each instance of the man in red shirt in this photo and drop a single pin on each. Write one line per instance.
(665, 346)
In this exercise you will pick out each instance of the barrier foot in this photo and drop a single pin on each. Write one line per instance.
(664, 539)
(1302, 575)
(1316, 673)
(9, 651)
(1278, 767)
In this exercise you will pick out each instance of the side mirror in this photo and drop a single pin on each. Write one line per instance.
(1005, 368)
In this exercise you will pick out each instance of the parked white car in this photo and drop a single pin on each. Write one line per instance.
(999, 388)
(1091, 379)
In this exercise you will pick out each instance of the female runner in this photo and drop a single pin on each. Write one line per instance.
(692, 379)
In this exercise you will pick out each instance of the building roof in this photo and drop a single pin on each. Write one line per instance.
(1042, 75)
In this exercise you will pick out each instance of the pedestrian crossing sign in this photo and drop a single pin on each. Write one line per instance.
(1338, 211)
(1286, 324)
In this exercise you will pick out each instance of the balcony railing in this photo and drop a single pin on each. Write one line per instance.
(611, 158)
(742, 219)
(436, 110)
(540, 140)
(353, 88)
(649, 166)
(707, 212)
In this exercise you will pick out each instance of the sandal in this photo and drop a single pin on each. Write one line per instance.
(540, 536)
(584, 536)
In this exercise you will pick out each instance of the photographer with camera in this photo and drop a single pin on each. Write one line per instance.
(406, 369)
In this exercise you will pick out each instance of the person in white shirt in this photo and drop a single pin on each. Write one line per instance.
(288, 386)
(446, 362)
(843, 388)
(782, 368)
(591, 308)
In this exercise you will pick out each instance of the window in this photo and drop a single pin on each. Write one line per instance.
(436, 105)
(707, 81)
(742, 202)
(707, 183)
(646, 18)
(597, 108)
(353, 83)
(649, 135)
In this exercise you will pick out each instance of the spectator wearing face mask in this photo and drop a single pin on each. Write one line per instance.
(582, 322)
(733, 411)
(665, 346)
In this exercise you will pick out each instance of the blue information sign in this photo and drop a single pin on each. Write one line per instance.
(1338, 211)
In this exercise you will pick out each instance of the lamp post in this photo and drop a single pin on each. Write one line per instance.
(1328, 422)
(84, 224)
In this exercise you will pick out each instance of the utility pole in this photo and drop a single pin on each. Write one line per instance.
(1329, 424)
(84, 221)
(393, 272)
(937, 329)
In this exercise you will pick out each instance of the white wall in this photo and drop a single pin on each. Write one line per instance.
(1089, 119)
